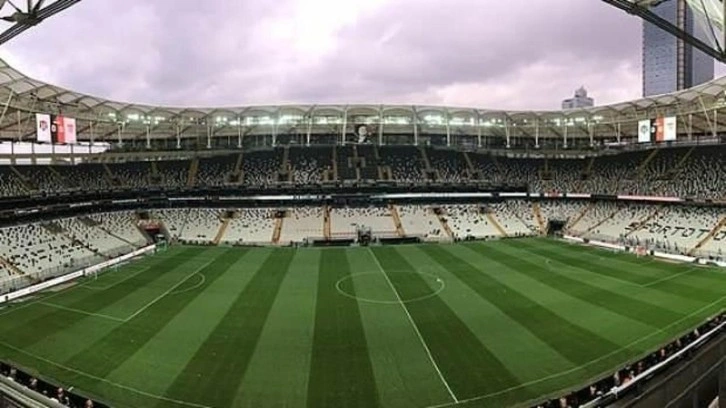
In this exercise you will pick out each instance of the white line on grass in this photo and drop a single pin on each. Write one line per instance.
(33, 302)
(189, 289)
(689, 270)
(580, 367)
(548, 262)
(410, 319)
(166, 292)
(60, 292)
(101, 379)
(87, 285)
(70, 309)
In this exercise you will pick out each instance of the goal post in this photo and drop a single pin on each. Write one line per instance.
(640, 251)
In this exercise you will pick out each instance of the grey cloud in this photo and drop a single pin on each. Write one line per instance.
(217, 52)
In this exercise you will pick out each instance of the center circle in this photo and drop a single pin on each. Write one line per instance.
(375, 287)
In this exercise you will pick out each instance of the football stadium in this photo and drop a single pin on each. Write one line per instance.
(352, 255)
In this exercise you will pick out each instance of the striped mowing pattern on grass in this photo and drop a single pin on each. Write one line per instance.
(466, 325)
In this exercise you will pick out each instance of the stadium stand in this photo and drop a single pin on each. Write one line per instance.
(692, 172)
(250, 226)
(132, 175)
(190, 225)
(215, 171)
(10, 183)
(345, 163)
(308, 163)
(448, 165)
(260, 168)
(469, 221)
(369, 162)
(121, 225)
(87, 177)
(420, 220)
(404, 163)
(42, 249)
(346, 221)
(302, 223)
(43, 178)
(172, 173)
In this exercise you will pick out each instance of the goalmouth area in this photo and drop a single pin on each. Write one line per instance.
(460, 325)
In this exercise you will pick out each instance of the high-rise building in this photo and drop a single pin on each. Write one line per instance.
(581, 100)
(669, 64)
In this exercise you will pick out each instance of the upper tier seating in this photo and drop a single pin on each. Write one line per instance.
(261, 168)
(405, 163)
(215, 171)
(449, 165)
(173, 173)
(10, 184)
(693, 172)
(308, 163)
(87, 177)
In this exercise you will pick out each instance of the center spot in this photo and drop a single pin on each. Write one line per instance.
(373, 287)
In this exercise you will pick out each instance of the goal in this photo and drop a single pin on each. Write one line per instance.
(640, 251)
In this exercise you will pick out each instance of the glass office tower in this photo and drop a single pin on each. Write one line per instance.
(669, 64)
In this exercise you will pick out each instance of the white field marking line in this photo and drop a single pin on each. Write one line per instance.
(415, 328)
(60, 292)
(640, 285)
(689, 270)
(70, 309)
(158, 298)
(580, 367)
(548, 262)
(200, 283)
(388, 302)
(42, 297)
(106, 287)
(101, 379)
(33, 302)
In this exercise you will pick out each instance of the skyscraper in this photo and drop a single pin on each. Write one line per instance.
(669, 64)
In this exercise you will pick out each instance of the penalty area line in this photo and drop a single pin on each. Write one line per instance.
(415, 327)
(168, 291)
(101, 379)
(83, 312)
(667, 278)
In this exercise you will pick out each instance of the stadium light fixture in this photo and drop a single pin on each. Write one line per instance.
(30, 14)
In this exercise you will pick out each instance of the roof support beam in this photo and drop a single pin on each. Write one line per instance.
(646, 14)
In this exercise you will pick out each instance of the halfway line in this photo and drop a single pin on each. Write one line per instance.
(415, 328)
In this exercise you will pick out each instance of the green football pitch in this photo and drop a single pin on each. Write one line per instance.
(466, 325)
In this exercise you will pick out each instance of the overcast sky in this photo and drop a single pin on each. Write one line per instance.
(513, 54)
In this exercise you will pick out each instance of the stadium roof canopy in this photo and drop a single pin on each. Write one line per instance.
(39, 96)
(100, 118)
(708, 15)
